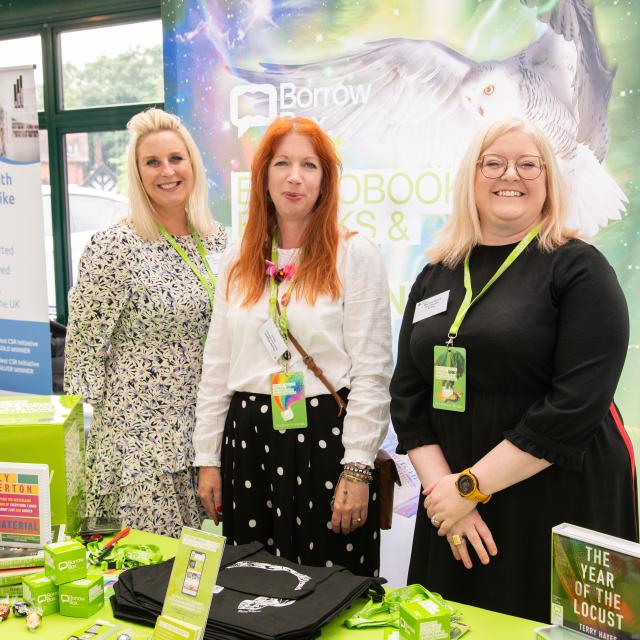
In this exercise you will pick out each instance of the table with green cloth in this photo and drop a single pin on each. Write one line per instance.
(485, 625)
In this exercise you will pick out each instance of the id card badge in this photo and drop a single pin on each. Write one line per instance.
(214, 261)
(288, 408)
(272, 339)
(449, 378)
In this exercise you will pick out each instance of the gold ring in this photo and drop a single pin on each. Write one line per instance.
(456, 539)
(357, 520)
(435, 522)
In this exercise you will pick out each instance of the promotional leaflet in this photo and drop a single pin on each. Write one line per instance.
(191, 586)
(25, 349)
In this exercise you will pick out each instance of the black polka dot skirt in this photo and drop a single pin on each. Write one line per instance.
(277, 486)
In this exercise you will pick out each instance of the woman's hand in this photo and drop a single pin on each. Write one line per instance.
(471, 530)
(349, 505)
(444, 505)
(210, 491)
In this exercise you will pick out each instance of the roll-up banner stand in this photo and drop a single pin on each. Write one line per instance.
(25, 351)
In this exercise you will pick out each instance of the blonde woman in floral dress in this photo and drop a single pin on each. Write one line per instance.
(138, 318)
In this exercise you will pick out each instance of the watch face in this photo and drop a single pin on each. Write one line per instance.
(466, 485)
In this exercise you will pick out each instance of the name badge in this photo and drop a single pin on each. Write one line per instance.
(449, 378)
(214, 260)
(431, 306)
(288, 408)
(272, 339)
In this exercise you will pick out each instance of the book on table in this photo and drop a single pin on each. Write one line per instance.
(595, 584)
(16, 557)
(10, 577)
(25, 507)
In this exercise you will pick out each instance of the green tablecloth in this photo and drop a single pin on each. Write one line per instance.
(485, 625)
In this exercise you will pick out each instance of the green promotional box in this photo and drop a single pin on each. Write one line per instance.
(424, 620)
(65, 561)
(82, 598)
(49, 430)
(40, 591)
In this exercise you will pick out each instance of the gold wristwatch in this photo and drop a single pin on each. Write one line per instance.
(467, 486)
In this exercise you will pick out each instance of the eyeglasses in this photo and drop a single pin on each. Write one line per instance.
(527, 167)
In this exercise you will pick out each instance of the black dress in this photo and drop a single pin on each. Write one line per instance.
(545, 348)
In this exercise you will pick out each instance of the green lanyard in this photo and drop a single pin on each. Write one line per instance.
(210, 287)
(469, 300)
(281, 319)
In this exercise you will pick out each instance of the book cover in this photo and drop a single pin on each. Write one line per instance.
(595, 583)
(25, 511)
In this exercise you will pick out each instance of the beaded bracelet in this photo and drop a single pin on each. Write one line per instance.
(356, 467)
(357, 473)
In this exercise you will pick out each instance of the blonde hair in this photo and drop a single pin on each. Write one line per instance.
(141, 213)
(462, 231)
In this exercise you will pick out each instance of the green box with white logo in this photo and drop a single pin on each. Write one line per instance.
(82, 598)
(424, 620)
(65, 561)
(49, 430)
(40, 591)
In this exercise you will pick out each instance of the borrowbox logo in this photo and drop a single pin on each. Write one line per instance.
(46, 598)
(68, 599)
(65, 565)
(257, 105)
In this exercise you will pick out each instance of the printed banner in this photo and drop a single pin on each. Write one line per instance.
(25, 351)
(402, 87)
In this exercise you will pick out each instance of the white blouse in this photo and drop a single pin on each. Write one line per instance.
(349, 338)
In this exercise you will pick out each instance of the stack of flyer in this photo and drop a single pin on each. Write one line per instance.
(25, 523)
(595, 586)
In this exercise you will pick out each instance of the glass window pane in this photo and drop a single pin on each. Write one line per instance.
(121, 64)
(23, 51)
(96, 182)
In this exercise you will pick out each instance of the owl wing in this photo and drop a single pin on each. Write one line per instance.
(412, 96)
(591, 85)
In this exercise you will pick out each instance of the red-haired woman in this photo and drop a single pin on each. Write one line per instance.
(301, 485)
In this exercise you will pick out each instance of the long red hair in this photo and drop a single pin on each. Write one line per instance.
(317, 272)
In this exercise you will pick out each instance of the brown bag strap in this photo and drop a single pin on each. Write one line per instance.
(311, 364)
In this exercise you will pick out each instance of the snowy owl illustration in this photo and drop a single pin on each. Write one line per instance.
(426, 101)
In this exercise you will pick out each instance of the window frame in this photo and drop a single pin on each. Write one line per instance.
(48, 20)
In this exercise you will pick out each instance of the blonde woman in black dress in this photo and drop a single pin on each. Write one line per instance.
(539, 441)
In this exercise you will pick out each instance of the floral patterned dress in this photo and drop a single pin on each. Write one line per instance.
(138, 318)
